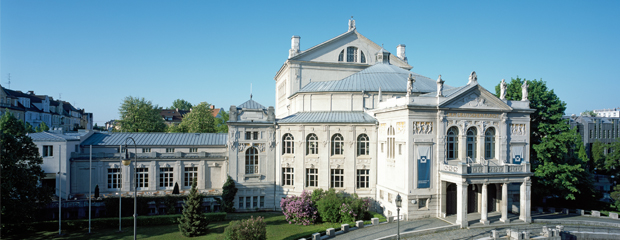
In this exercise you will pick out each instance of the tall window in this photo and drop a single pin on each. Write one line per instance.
(341, 56)
(337, 178)
(312, 144)
(363, 144)
(289, 145)
(453, 143)
(142, 177)
(471, 142)
(191, 174)
(114, 178)
(251, 160)
(165, 177)
(288, 177)
(48, 150)
(391, 142)
(337, 144)
(362, 57)
(363, 178)
(489, 144)
(312, 177)
(351, 54)
(248, 135)
(255, 135)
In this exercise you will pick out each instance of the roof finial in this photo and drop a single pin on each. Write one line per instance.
(250, 91)
(351, 24)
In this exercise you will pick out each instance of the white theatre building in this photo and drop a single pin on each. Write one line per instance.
(350, 115)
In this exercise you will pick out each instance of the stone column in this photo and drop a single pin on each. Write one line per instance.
(504, 203)
(484, 212)
(461, 204)
(525, 201)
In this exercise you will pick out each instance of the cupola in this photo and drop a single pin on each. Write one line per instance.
(383, 56)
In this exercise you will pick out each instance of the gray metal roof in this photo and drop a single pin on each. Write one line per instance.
(446, 93)
(388, 77)
(251, 104)
(329, 117)
(54, 137)
(158, 139)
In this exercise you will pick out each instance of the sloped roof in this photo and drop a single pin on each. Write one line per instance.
(329, 117)
(302, 53)
(388, 77)
(251, 104)
(158, 139)
(54, 137)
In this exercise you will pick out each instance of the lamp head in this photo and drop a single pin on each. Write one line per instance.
(126, 159)
(399, 201)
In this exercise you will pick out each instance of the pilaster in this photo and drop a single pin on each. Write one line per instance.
(461, 204)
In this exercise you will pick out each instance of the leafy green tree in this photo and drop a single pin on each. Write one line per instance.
(612, 160)
(28, 127)
(556, 155)
(140, 115)
(199, 120)
(598, 155)
(193, 222)
(220, 122)
(181, 105)
(42, 127)
(229, 191)
(175, 190)
(22, 193)
(588, 113)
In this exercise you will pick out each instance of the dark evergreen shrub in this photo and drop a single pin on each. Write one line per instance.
(193, 222)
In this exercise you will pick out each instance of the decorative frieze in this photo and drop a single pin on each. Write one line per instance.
(449, 168)
(517, 129)
(400, 127)
(422, 127)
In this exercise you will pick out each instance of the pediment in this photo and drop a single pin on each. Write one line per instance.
(475, 97)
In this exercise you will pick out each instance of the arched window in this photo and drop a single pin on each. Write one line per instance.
(341, 56)
(362, 57)
(351, 54)
(312, 144)
(288, 144)
(489, 144)
(453, 143)
(251, 160)
(390, 142)
(337, 144)
(471, 142)
(363, 145)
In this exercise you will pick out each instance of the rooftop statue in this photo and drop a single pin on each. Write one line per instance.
(440, 86)
(410, 82)
(473, 78)
(503, 87)
(524, 91)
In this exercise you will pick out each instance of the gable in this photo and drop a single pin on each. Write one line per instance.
(329, 51)
(474, 97)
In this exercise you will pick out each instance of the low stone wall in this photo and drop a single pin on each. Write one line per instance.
(421, 232)
(577, 222)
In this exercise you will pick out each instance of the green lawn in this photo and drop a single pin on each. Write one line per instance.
(277, 228)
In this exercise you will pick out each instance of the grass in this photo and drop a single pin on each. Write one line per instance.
(277, 228)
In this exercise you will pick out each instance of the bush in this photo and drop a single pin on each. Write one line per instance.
(249, 229)
(338, 207)
(299, 209)
(193, 222)
(229, 191)
(329, 206)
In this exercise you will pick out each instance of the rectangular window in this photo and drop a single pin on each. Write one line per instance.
(248, 135)
(382, 147)
(400, 149)
(142, 177)
(255, 136)
(146, 150)
(76, 148)
(114, 178)
(169, 150)
(363, 178)
(337, 178)
(381, 194)
(262, 201)
(165, 177)
(240, 202)
(191, 174)
(247, 202)
(287, 176)
(312, 177)
(48, 150)
(422, 203)
(193, 150)
(255, 201)
(389, 197)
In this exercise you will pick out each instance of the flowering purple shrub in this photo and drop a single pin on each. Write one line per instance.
(299, 209)
(346, 213)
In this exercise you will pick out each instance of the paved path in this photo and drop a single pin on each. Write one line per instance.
(370, 233)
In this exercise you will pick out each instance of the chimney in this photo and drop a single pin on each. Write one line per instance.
(400, 52)
(30, 92)
(294, 47)
(212, 107)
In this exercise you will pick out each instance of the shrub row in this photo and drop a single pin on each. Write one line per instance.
(248, 229)
(330, 205)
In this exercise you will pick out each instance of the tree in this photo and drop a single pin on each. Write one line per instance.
(140, 115)
(556, 154)
(229, 191)
(181, 105)
(612, 160)
(588, 113)
(193, 222)
(28, 127)
(97, 191)
(22, 193)
(42, 127)
(199, 120)
(176, 188)
(598, 155)
(220, 123)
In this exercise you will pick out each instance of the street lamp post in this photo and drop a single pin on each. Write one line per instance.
(127, 162)
(399, 203)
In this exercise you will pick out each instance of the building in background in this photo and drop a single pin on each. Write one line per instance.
(612, 112)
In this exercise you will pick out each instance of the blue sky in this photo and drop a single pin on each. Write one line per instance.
(95, 53)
